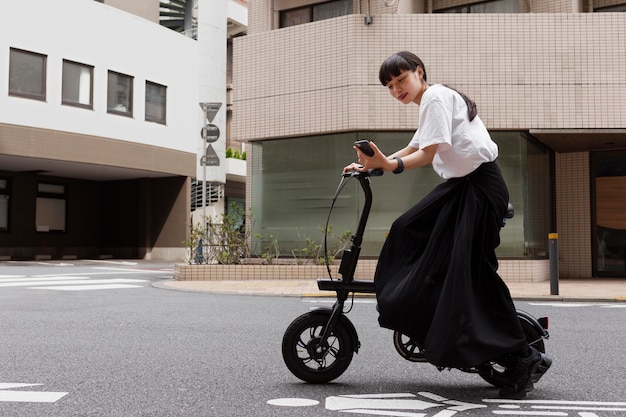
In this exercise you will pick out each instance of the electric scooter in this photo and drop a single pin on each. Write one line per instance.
(318, 346)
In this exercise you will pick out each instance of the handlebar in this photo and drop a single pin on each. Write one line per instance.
(369, 173)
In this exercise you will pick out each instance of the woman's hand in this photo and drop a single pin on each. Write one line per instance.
(378, 160)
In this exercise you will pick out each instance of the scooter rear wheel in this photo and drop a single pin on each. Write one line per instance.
(307, 357)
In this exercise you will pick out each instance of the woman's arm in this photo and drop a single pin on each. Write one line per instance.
(402, 152)
(411, 157)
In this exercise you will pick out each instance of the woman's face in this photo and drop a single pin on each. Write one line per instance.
(407, 87)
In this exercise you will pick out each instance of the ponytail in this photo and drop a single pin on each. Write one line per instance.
(472, 111)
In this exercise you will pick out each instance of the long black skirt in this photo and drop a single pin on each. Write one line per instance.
(437, 281)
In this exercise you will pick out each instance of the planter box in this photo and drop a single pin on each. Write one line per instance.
(186, 272)
(510, 271)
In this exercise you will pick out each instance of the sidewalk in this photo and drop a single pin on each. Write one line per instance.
(577, 290)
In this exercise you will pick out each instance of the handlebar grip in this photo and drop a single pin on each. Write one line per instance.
(369, 173)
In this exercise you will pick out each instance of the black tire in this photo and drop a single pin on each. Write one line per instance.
(493, 372)
(408, 348)
(311, 362)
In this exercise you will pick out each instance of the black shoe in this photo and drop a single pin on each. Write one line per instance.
(543, 366)
(521, 376)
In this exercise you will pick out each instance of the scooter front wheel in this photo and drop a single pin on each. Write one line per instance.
(311, 359)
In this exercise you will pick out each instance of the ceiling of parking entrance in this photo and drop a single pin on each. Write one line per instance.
(564, 141)
(65, 169)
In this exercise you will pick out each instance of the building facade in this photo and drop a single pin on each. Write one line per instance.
(100, 126)
(549, 81)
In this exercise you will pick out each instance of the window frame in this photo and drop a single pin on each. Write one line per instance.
(5, 193)
(471, 8)
(130, 92)
(310, 7)
(69, 102)
(41, 198)
(44, 63)
(149, 117)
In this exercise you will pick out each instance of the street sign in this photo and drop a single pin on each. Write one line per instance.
(210, 110)
(210, 133)
(210, 158)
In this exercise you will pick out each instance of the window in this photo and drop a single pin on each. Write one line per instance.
(156, 100)
(497, 6)
(50, 210)
(77, 84)
(27, 74)
(278, 192)
(619, 8)
(5, 193)
(120, 94)
(315, 12)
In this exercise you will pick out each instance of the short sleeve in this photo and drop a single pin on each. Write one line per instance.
(435, 124)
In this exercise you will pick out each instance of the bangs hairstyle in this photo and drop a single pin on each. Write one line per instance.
(397, 63)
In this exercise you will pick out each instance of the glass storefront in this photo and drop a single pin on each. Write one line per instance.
(293, 182)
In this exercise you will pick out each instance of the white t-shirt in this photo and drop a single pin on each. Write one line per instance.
(463, 145)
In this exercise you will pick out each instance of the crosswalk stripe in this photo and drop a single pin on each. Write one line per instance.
(87, 287)
(71, 281)
(39, 279)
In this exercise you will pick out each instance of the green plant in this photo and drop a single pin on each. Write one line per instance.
(270, 252)
(309, 250)
(338, 244)
(228, 239)
(194, 244)
(224, 240)
(236, 154)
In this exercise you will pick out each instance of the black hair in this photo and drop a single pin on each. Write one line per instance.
(402, 61)
(397, 63)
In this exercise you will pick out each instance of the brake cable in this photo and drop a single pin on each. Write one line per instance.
(340, 187)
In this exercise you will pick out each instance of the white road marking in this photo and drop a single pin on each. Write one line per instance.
(556, 402)
(577, 408)
(390, 404)
(16, 281)
(376, 402)
(7, 395)
(67, 280)
(88, 287)
(529, 413)
(385, 413)
(406, 405)
(293, 402)
(572, 305)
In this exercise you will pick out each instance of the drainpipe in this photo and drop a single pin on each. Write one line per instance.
(368, 18)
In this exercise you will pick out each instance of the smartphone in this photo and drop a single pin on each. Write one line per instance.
(364, 146)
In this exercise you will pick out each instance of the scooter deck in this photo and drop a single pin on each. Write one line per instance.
(357, 286)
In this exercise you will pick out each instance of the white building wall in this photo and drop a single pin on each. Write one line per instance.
(107, 38)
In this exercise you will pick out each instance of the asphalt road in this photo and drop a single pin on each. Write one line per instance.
(115, 345)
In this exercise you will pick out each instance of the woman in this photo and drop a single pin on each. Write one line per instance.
(436, 278)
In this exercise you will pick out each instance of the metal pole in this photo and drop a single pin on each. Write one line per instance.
(553, 243)
(204, 191)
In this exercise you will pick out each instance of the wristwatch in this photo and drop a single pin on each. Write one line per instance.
(400, 168)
